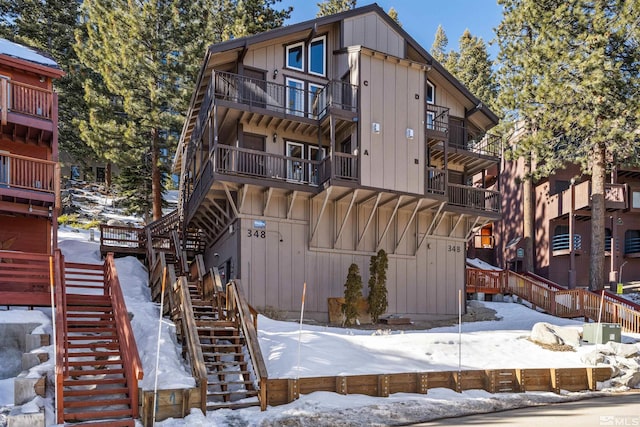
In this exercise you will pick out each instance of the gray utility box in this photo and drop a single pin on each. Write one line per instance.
(603, 333)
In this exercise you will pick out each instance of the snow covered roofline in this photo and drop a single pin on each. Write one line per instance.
(19, 56)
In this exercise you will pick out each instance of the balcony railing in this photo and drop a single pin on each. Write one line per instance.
(560, 242)
(436, 181)
(287, 99)
(474, 198)
(258, 164)
(24, 99)
(27, 173)
(484, 144)
(437, 119)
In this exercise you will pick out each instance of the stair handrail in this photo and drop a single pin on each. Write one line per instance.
(237, 303)
(181, 256)
(62, 365)
(127, 342)
(190, 332)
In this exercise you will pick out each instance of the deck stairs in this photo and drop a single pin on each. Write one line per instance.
(97, 369)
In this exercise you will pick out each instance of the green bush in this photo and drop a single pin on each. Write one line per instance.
(377, 298)
(352, 293)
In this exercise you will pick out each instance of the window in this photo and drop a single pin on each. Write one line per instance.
(315, 154)
(317, 56)
(295, 168)
(295, 56)
(635, 199)
(295, 97)
(316, 104)
(431, 118)
(561, 186)
(431, 93)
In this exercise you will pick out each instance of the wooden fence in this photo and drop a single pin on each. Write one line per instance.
(554, 299)
(25, 278)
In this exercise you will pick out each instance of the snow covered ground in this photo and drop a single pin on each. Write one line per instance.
(336, 351)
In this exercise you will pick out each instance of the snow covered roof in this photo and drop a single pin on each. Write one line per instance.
(478, 263)
(19, 51)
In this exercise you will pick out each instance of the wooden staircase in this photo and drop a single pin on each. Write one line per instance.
(223, 347)
(217, 329)
(98, 367)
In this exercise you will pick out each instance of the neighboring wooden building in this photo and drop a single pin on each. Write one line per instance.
(312, 146)
(553, 231)
(29, 178)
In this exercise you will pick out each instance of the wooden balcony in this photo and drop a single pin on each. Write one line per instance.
(437, 122)
(28, 185)
(616, 197)
(560, 244)
(478, 199)
(27, 112)
(436, 181)
(261, 168)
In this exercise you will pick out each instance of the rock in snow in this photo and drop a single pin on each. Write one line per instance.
(546, 333)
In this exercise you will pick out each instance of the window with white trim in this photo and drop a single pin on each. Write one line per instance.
(431, 93)
(295, 96)
(316, 104)
(295, 56)
(318, 56)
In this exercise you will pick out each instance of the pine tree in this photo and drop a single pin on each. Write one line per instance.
(439, 46)
(330, 7)
(256, 16)
(474, 69)
(568, 71)
(393, 14)
(377, 297)
(352, 294)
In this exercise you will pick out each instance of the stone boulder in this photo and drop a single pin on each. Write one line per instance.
(621, 350)
(548, 334)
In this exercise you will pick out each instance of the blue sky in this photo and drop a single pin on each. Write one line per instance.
(420, 18)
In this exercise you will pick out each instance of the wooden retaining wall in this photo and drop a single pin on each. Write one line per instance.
(177, 403)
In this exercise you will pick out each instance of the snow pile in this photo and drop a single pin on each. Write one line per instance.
(624, 359)
(478, 263)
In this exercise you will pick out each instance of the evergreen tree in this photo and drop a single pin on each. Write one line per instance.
(393, 13)
(330, 7)
(377, 297)
(256, 16)
(473, 69)
(439, 46)
(568, 71)
(352, 294)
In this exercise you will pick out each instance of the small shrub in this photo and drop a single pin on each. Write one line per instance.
(352, 293)
(377, 298)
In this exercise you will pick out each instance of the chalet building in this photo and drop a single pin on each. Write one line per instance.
(313, 146)
(562, 214)
(29, 178)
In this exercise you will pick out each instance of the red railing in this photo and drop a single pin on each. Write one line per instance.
(553, 299)
(28, 173)
(128, 347)
(30, 100)
(61, 344)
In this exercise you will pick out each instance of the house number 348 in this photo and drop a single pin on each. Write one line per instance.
(258, 234)
(454, 248)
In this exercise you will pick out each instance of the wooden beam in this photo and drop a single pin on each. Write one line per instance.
(267, 199)
(231, 202)
(453, 229)
(391, 218)
(292, 198)
(324, 205)
(346, 216)
(366, 226)
(223, 211)
(406, 228)
(430, 226)
(243, 191)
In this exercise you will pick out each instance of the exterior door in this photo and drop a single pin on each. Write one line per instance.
(254, 88)
(295, 97)
(295, 168)
(315, 154)
(248, 162)
(4, 168)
